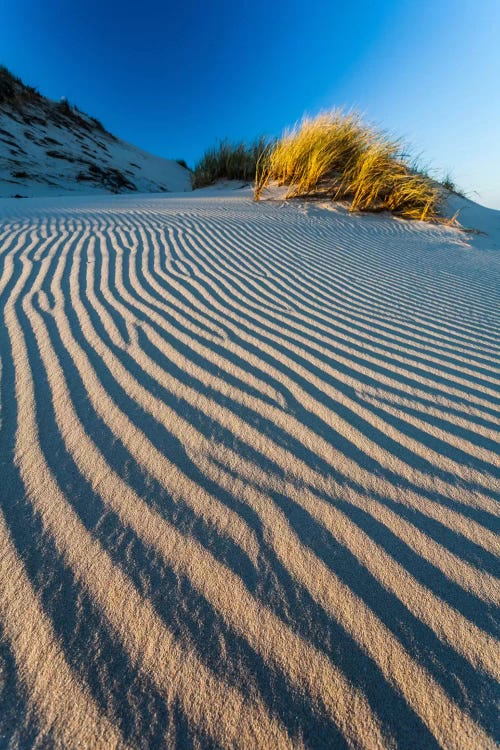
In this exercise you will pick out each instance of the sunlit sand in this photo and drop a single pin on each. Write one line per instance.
(248, 475)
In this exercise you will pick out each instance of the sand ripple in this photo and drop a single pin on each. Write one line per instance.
(248, 478)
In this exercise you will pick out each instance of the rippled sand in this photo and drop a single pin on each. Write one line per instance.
(248, 477)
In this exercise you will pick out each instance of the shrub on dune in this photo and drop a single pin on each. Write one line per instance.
(336, 155)
(312, 156)
(450, 185)
(12, 89)
(382, 180)
(228, 161)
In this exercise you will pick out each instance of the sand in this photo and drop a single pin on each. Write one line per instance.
(249, 476)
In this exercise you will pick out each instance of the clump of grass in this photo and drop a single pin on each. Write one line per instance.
(98, 124)
(309, 156)
(13, 89)
(449, 184)
(382, 180)
(228, 161)
(65, 107)
(7, 84)
(336, 155)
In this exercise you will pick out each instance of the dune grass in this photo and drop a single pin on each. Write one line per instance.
(228, 161)
(333, 155)
(12, 89)
(336, 155)
(451, 186)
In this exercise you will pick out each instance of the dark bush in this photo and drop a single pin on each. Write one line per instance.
(228, 161)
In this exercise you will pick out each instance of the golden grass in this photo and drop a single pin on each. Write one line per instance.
(338, 156)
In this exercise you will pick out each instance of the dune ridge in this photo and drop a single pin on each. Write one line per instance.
(251, 477)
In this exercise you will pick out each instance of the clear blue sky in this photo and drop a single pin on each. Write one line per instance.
(173, 77)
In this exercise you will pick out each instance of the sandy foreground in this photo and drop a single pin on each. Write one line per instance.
(248, 477)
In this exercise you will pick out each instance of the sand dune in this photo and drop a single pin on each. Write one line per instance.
(249, 476)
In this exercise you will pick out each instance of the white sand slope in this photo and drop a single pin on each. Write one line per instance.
(248, 476)
(45, 152)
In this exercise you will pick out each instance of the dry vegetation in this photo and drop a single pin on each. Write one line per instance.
(13, 90)
(338, 156)
(229, 161)
(332, 155)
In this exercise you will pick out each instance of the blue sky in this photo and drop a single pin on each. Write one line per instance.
(174, 77)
